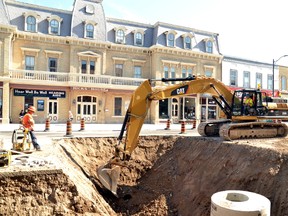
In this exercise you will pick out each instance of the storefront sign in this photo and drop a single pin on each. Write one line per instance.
(39, 93)
(89, 89)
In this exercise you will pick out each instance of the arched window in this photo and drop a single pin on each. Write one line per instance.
(170, 40)
(31, 23)
(187, 44)
(89, 31)
(209, 46)
(138, 38)
(54, 25)
(120, 36)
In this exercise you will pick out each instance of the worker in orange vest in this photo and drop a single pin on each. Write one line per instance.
(28, 123)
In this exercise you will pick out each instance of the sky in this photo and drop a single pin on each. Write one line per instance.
(249, 29)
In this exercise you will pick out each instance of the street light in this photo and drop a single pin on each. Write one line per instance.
(273, 72)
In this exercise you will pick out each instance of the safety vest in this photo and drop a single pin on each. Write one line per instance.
(249, 102)
(28, 121)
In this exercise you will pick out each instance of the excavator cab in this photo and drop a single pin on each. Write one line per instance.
(249, 102)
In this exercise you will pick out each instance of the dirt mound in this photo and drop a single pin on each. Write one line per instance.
(165, 176)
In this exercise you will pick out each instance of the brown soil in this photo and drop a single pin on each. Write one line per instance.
(166, 176)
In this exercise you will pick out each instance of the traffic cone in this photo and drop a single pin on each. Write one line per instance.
(168, 124)
(47, 125)
(69, 129)
(82, 124)
(183, 130)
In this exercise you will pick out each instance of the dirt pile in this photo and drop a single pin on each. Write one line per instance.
(165, 176)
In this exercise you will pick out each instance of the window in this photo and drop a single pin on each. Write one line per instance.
(209, 46)
(283, 83)
(187, 44)
(208, 73)
(171, 40)
(117, 106)
(83, 66)
(270, 82)
(169, 72)
(52, 64)
(258, 80)
(166, 72)
(92, 67)
(89, 31)
(119, 70)
(137, 72)
(233, 78)
(54, 25)
(246, 79)
(120, 36)
(139, 39)
(29, 62)
(31, 24)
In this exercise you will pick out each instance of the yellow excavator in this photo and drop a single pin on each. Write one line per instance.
(242, 120)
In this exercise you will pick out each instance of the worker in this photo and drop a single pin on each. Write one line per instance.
(248, 105)
(28, 123)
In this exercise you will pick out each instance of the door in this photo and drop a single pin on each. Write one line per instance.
(53, 110)
(87, 108)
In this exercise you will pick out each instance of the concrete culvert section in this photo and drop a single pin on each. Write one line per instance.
(167, 175)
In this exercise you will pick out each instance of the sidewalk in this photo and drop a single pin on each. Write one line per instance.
(89, 127)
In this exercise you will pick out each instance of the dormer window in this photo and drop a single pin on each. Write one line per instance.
(170, 38)
(31, 21)
(31, 24)
(138, 37)
(187, 40)
(120, 34)
(89, 29)
(209, 46)
(54, 24)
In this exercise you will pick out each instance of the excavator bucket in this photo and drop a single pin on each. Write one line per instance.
(109, 177)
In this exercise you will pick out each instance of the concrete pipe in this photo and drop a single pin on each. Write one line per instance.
(239, 203)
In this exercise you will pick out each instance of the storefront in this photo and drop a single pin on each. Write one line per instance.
(46, 101)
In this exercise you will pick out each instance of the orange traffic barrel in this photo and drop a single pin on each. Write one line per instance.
(69, 128)
(47, 125)
(183, 130)
(168, 124)
(82, 124)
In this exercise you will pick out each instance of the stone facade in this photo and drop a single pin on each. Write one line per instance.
(79, 61)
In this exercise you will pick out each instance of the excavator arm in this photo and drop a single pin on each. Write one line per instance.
(137, 111)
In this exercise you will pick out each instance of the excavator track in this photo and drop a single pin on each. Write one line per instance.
(252, 130)
(211, 128)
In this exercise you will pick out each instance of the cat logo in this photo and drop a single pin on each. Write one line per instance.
(180, 91)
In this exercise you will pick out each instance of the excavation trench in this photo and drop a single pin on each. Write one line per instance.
(167, 175)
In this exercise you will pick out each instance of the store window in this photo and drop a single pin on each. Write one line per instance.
(208, 109)
(163, 109)
(117, 106)
(283, 83)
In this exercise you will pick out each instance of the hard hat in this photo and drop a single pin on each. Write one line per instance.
(32, 109)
